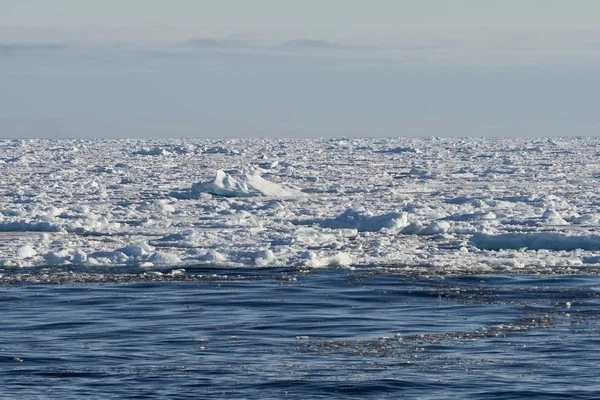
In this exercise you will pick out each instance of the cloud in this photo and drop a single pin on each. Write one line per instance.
(14, 48)
(206, 43)
(314, 44)
(268, 44)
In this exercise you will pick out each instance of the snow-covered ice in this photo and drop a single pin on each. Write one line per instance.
(441, 205)
(361, 221)
(250, 184)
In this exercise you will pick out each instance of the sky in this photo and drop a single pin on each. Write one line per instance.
(312, 68)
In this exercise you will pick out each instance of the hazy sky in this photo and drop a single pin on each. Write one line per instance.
(124, 68)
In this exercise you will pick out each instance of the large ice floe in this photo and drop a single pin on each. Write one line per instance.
(407, 205)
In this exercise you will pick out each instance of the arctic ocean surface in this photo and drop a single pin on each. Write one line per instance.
(329, 334)
(330, 268)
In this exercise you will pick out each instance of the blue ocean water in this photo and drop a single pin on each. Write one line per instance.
(328, 334)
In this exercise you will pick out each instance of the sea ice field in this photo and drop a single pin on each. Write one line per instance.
(411, 206)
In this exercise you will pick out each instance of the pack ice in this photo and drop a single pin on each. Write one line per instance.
(436, 205)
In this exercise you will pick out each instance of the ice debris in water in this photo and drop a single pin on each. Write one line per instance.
(315, 261)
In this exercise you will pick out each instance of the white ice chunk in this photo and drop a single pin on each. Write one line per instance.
(315, 261)
(553, 217)
(436, 227)
(26, 252)
(164, 258)
(255, 182)
(264, 257)
(136, 250)
(250, 184)
(222, 185)
(362, 221)
(79, 257)
(213, 256)
(413, 228)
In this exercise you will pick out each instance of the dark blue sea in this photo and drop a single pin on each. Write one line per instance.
(280, 334)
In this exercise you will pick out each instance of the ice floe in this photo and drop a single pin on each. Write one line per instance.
(536, 241)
